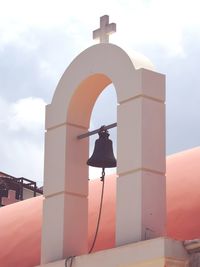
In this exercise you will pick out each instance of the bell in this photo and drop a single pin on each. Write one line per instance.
(103, 156)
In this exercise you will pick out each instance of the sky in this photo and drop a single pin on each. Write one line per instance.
(39, 39)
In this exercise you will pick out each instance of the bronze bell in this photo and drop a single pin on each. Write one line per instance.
(103, 156)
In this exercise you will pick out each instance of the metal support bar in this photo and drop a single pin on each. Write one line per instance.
(96, 131)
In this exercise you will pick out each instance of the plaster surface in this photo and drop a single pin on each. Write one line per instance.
(142, 143)
(160, 252)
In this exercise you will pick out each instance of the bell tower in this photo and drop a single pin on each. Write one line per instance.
(141, 188)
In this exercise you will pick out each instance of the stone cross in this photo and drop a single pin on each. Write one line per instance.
(105, 30)
(10, 199)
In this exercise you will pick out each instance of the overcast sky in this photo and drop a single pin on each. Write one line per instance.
(38, 40)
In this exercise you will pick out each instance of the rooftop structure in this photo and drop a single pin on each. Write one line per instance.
(14, 189)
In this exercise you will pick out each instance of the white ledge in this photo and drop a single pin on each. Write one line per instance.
(155, 251)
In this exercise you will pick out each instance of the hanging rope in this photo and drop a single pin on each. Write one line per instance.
(69, 261)
(100, 209)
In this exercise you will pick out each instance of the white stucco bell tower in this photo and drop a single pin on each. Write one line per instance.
(141, 185)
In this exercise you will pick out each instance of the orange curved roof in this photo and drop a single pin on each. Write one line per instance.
(20, 223)
(183, 195)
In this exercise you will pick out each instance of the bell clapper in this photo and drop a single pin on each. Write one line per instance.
(103, 174)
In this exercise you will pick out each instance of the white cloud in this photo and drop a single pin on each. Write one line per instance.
(21, 137)
(138, 22)
(27, 114)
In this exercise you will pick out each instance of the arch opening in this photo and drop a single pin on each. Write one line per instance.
(104, 113)
(84, 99)
(95, 99)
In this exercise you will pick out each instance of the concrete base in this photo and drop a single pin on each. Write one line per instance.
(159, 252)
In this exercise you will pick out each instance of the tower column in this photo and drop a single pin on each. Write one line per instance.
(139, 92)
(65, 206)
(141, 185)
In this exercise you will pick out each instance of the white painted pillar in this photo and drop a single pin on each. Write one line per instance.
(141, 185)
(65, 207)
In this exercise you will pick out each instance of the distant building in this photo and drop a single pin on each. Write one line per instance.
(14, 189)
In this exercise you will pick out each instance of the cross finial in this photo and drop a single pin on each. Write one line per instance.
(105, 30)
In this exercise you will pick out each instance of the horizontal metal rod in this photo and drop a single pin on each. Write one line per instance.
(96, 131)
